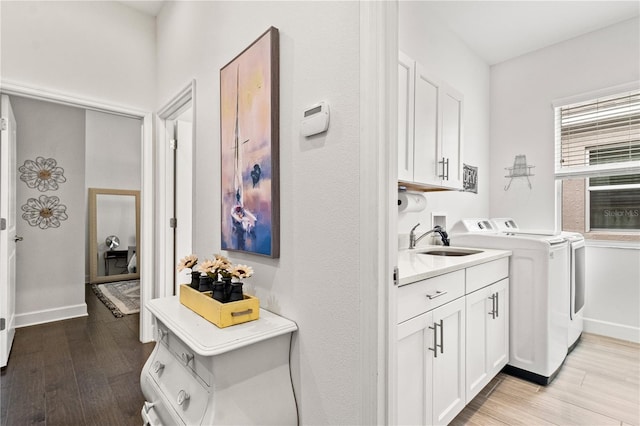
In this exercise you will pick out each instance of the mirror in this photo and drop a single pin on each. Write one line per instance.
(114, 235)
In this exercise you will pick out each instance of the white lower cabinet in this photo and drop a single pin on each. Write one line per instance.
(487, 335)
(453, 338)
(431, 366)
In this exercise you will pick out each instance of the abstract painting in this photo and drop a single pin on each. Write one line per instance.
(249, 140)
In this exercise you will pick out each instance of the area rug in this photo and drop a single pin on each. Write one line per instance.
(121, 297)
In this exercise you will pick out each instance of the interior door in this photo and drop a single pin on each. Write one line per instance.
(8, 236)
(183, 190)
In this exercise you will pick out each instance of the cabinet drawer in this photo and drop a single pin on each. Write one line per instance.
(183, 354)
(416, 298)
(186, 396)
(487, 273)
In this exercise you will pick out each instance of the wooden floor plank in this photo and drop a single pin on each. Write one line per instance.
(62, 395)
(597, 385)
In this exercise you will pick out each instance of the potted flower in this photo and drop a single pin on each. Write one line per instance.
(221, 271)
(189, 262)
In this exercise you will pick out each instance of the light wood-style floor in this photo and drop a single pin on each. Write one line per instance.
(599, 384)
(86, 371)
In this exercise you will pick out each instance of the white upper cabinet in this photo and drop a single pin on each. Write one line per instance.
(429, 129)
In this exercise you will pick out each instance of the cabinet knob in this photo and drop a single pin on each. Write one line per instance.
(182, 397)
(148, 406)
(186, 358)
(162, 333)
(158, 367)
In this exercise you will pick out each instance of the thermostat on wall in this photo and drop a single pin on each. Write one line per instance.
(316, 119)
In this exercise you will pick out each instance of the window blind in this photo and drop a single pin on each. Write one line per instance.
(600, 137)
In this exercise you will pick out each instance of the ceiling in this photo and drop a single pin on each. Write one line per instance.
(501, 30)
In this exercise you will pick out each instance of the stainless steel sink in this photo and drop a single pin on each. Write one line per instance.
(450, 252)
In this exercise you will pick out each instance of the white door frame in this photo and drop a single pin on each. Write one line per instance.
(147, 268)
(378, 211)
(172, 109)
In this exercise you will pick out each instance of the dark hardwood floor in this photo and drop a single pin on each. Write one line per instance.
(82, 371)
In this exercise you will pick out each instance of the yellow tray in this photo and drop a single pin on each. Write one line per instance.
(221, 314)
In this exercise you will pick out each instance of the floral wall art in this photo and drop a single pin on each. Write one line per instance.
(249, 124)
(44, 175)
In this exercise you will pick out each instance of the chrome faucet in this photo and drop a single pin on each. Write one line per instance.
(413, 240)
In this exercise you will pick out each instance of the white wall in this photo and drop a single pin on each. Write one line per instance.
(522, 120)
(99, 50)
(314, 282)
(423, 37)
(522, 91)
(613, 291)
(50, 262)
(112, 159)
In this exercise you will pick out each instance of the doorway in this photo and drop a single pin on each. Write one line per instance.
(176, 149)
(73, 308)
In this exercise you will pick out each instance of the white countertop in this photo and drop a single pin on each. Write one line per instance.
(414, 266)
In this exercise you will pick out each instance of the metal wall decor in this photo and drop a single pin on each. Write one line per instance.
(469, 178)
(44, 212)
(43, 174)
(520, 169)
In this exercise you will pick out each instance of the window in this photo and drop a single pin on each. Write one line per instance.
(598, 159)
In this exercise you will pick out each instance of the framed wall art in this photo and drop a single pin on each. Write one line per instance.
(249, 142)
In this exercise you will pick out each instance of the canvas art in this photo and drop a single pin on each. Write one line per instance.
(249, 133)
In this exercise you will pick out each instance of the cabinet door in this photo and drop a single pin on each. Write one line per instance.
(426, 128)
(451, 170)
(498, 332)
(449, 364)
(479, 308)
(414, 371)
(405, 116)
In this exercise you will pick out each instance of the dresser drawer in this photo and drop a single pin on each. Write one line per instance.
(185, 395)
(487, 273)
(422, 296)
(191, 360)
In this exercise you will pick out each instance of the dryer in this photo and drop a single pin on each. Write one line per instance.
(538, 296)
(576, 276)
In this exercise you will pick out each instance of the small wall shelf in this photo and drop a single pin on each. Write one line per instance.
(520, 169)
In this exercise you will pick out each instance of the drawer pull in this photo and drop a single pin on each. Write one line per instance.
(186, 358)
(237, 314)
(158, 367)
(182, 397)
(162, 333)
(148, 406)
(438, 293)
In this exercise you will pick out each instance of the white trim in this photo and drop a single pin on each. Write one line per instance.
(610, 329)
(595, 170)
(611, 244)
(147, 270)
(378, 195)
(595, 94)
(49, 315)
(171, 110)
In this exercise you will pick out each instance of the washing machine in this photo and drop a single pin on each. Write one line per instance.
(576, 277)
(538, 295)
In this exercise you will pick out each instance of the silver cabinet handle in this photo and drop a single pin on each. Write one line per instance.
(186, 358)
(148, 406)
(435, 338)
(493, 306)
(497, 304)
(438, 293)
(182, 397)
(16, 239)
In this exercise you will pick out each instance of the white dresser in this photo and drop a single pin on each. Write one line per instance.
(199, 374)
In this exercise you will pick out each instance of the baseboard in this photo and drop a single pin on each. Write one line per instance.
(610, 329)
(50, 315)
